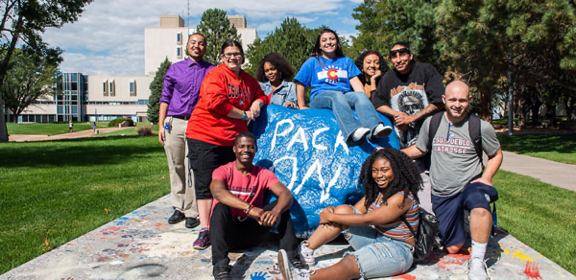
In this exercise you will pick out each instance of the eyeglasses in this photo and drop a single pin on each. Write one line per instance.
(230, 55)
(402, 52)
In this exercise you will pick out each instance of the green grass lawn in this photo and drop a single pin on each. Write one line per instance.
(59, 190)
(556, 147)
(540, 215)
(50, 128)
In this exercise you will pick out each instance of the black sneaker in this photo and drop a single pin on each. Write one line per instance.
(191, 222)
(176, 217)
(221, 273)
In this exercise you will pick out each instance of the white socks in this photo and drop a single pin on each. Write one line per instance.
(478, 250)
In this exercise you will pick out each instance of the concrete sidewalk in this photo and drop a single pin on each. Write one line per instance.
(142, 245)
(551, 172)
(73, 135)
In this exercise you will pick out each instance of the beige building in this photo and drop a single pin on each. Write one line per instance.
(110, 97)
(166, 41)
(103, 98)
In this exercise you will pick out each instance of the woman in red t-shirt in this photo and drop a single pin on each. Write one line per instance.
(229, 98)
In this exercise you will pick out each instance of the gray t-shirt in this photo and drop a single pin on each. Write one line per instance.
(454, 162)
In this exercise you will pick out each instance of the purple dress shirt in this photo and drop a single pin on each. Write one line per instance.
(182, 86)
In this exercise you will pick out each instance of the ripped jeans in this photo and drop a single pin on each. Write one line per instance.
(377, 255)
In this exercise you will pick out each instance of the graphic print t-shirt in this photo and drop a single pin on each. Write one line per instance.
(409, 94)
(322, 74)
(249, 188)
(454, 162)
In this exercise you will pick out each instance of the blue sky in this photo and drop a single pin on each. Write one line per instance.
(108, 38)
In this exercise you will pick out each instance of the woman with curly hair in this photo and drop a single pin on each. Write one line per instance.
(372, 66)
(374, 227)
(274, 73)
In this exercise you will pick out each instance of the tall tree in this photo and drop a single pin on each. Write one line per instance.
(533, 40)
(156, 91)
(26, 20)
(387, 21)
(29, 78)
(217, 29)
(289, 40)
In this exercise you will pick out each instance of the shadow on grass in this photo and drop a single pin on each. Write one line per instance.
(529, 143)
(77, 152)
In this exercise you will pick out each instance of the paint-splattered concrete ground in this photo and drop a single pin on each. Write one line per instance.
(142, 245)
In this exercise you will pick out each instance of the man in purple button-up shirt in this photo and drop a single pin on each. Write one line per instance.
(179, 97)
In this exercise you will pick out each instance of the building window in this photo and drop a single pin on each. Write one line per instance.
(105, 88)
(133, 88)
(112, 88)
(179, 38)
(179, 52)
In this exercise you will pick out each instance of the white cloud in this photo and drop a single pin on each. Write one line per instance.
(108, 38)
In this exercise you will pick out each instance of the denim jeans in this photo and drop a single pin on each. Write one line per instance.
(377, 255)
(342, 104)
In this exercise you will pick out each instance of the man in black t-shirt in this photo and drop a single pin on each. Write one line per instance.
(410, 93)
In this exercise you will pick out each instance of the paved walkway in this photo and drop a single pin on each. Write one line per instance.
(73, 135)
(142, 245)
(551, 172)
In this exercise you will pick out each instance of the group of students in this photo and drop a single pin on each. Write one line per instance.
(204, 111)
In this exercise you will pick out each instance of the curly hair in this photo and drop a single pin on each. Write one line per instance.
(316, 51)
(406, 176)
(360, 64)
(281, 64)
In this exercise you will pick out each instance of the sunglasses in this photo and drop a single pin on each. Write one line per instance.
(402, 52)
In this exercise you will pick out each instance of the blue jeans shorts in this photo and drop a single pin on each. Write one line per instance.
(377, 255)
(450, 210)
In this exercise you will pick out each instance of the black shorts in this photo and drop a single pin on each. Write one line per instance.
(204, 158)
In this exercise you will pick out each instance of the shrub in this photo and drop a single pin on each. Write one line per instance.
(145, 130)
(117, 121)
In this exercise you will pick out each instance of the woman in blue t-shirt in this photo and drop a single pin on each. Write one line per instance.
(331, 75)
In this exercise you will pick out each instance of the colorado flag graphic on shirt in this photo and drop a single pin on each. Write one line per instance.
(331, 74)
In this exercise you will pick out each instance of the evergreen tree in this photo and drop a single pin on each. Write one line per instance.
(289, 40)
(156, 91)
(217, 29)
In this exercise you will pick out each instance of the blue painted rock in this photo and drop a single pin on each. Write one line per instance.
(306, 150)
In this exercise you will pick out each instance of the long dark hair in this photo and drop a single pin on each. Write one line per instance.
(232, 43)
(360, 64)
(406, 176)
(316, 51)
(281, 64)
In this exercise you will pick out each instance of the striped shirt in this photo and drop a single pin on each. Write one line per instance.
(397, 229)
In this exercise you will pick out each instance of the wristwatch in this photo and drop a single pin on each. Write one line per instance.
(244, 117)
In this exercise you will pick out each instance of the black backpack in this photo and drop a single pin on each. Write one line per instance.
(424, 238)
(474, 131)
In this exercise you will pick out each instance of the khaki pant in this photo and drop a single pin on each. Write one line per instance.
(181, 177)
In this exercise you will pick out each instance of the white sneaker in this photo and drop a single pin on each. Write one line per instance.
(381, 131)
(306, 254)
(289, 272)
(359, 134)
(477, 269)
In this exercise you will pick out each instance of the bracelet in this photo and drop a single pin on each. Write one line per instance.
(244, 117)
(248, 209)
